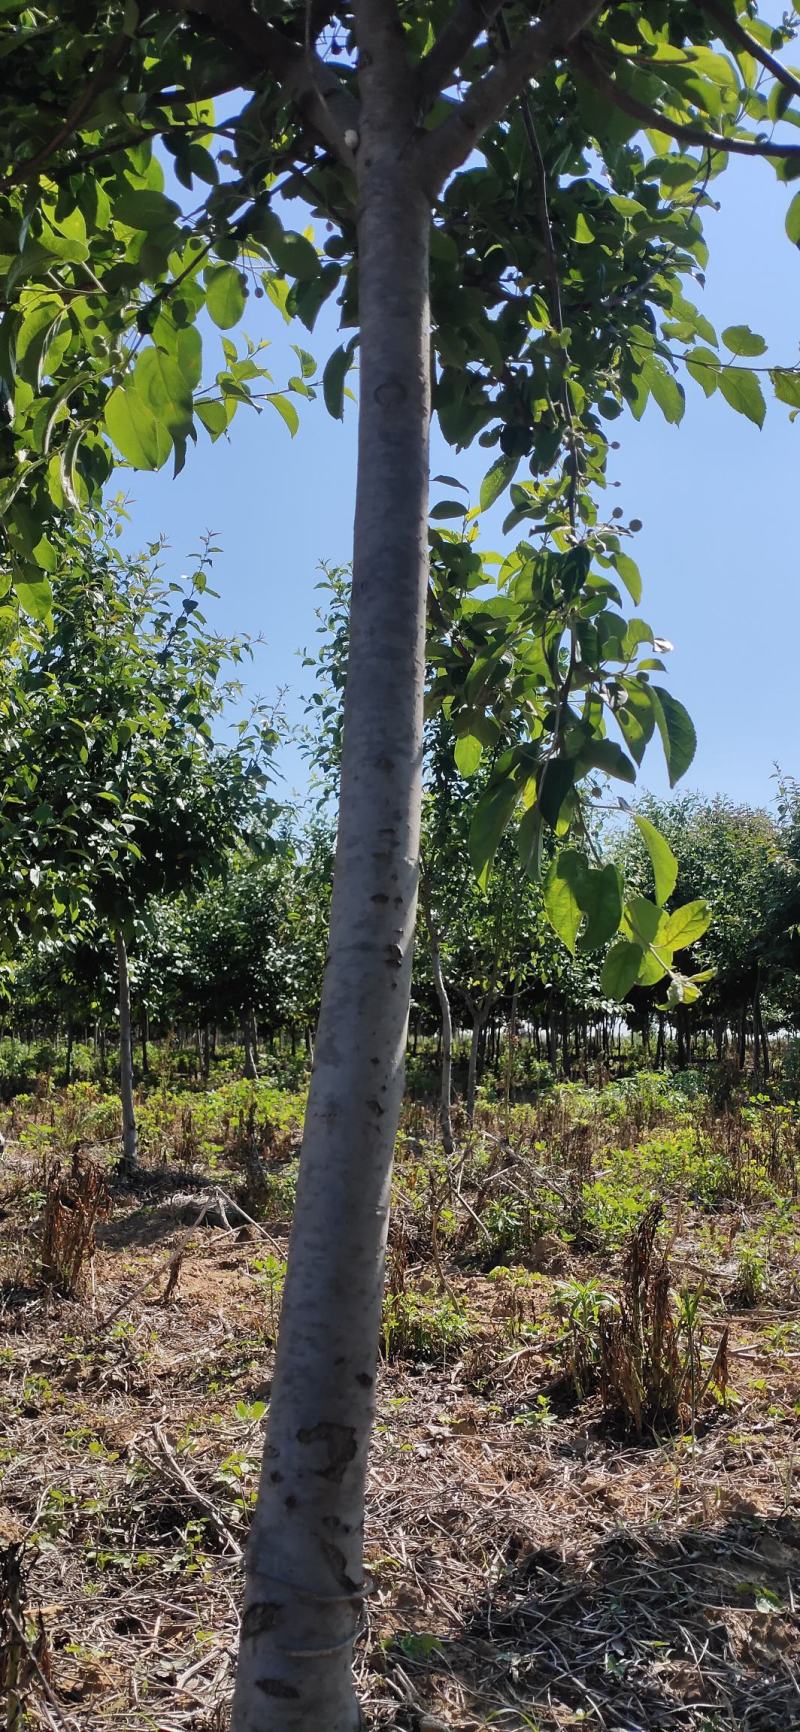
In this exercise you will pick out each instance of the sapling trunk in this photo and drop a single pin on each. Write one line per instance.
(305, 1573)
(130, 1141)
(446, 1038)
(250, 1035)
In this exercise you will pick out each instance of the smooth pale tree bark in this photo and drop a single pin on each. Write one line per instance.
(481, 1010)
(446, 1089)
(305, 1576)
(130, 1141)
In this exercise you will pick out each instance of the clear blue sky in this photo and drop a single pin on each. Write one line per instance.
(718, 552)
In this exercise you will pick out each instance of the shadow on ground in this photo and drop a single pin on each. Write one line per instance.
(648, 1632)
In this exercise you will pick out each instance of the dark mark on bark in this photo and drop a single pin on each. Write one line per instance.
(338, 1565)
(261, 1617)
(391, 393)
(290, 1501)
(375, 1107)
(379, 897)
(394, 955)
(276, 1687)
(364, 1379)
(275, 1477)
(340, 1442)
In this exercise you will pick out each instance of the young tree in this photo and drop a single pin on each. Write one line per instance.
(467, 222)
(114, 788)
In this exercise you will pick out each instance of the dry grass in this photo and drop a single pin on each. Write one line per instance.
(532, 1565)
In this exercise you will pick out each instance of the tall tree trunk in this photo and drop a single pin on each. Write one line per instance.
(510, 1056)
(144, 1033)
(446, 1042)
(250, 1036)
(759, 1037)
(472, 1068)
(305, 1573)
(130, 1142)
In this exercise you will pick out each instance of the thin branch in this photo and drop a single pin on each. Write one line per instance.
(584, 62)
(731, 28)
(551, 262)
(305, 79)
(102, 76)
(463, 27)
(443, 149)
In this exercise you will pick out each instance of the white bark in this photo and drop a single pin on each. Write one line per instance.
(305, 1576)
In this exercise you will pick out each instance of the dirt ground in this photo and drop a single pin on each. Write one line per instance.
(531, 1566)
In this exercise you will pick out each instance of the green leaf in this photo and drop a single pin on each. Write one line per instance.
(143, 441)
(333, 378)
(308, 365)
(145, 208)
(609, 758)
(793, 220)
(215, 416)
(669, 395)
(704, 367)
(496, 480)
(631, 576)
(468, 754)
(225, 295)
(653, 967)
(636, 717)
(602, 901)
(564, 889)
(492, 814)
(663, 861)
(294, 255)
(189, 354)
(163, 387)
(685, 925)
(642, 920)
(529, 843)
(786, 384)
(742, 341)
(34, 595)
(287, 412)
(620, 969)
(678, 737)
(742, 390)
(555, 782)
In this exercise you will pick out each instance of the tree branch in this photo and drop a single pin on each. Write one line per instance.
(584, 62)
(463, 27)
(442, 150)
(304, 78)
(551, 262)
(735, 31)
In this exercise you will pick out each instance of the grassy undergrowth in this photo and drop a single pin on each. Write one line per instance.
(588, 1415)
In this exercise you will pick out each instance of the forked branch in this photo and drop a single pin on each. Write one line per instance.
(444, 149)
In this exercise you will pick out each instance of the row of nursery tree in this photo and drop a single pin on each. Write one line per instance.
(156, 885)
